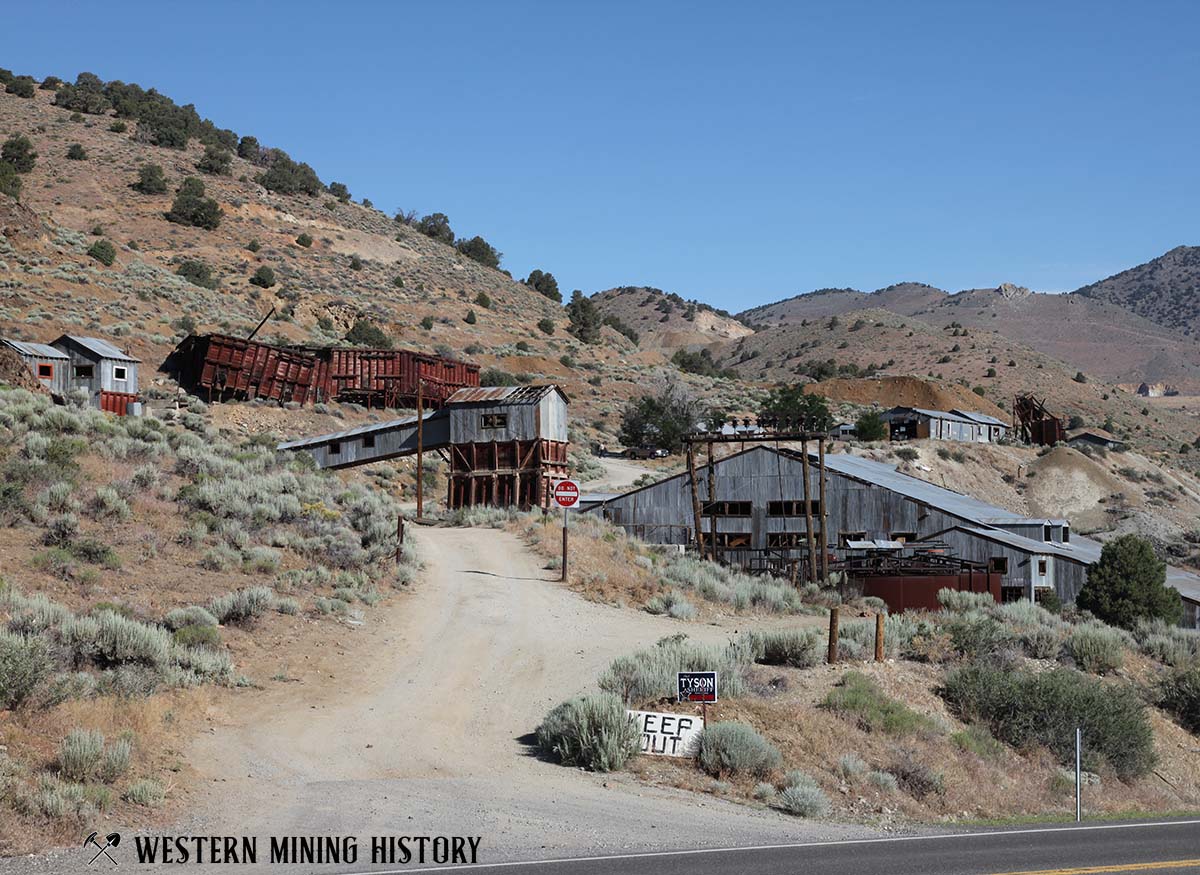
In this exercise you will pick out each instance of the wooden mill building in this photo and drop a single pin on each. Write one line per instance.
(757, 512)
(506, 445)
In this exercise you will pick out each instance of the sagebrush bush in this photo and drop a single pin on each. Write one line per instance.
(1021, 708)
(803, 797)
(147, 792)
(590, 731)
(116, 760)
(860, 698)
(916, 778)
(732, 748)
(851, 766)
(243, 604)
(959, 602)
(651, 674)
(193, 615)
(720, 583)
(79, 754)
(1042, 642)
(24, 664)
(801, 648)
(673, 604)
(1179, 694)
(198, 636)
(884, 781)
(1096, 648)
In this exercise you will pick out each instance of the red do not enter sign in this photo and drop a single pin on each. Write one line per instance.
(566, 493)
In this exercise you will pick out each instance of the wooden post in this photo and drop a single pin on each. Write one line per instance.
(808, 514)
(691, 462)
(879, 637)
(712, 499)
(833, 634)
(399, 536)
(420, 450)
(824, 516)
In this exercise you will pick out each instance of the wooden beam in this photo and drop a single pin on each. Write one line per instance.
(420, 452)
(808, 514)
(691, 463)
(712, 500)
(824, 512)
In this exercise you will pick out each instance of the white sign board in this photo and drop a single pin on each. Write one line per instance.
(670, 735)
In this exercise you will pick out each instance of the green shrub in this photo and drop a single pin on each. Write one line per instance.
(884, 781)
(254, 245)
(590, 731)
(76, 152)
(304, 240)
(10, 180)
(1096, 648)
(191, 207)
(916, 778)
(198, 636)
(1023, 708)
(21, 86)
(470, 318)
(544, 283)
(859, 697)
(118, 127)
(978, 740)
(651, 673)
(850, 766)
(79, 754)
(285, 176)
(731, 748)
(427, 323)
(870, 426)
(24, 664)
(215, 161)
(974, 634)
(546, 326)
(118, 640)
(366, 333)
(17, 152)
(150, 180)
(103, 251)
(478, 249)
(908, 454)
(356, 263)
(672, 603)
(1042, 642)
(482, 300)
(264, 277)
(243, 604)
(803, 797)
(959, 602)
(340, 191)
(197, 273)
(1128, 584)
(1180, 695)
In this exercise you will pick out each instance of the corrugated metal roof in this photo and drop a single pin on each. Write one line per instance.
(935, 414)
(35, 350)
(876, 544)
(376, 427)
(886, 476)
(979, 417)
(507, 394)
(101, 347)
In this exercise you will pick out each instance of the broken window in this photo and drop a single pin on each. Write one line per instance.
(792, 508)
(998, 564)
(120, 373)
(789, 540)
(493, 420)
(368, 441)
(335, 448)
(733, 539)
(1066, 535)
(844, 537)
(904, 536)
(727, 508)
(45, 372)
(83, 372)
(1047, 533)
(1041, 568)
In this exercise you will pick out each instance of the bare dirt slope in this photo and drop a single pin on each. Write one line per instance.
(433, 739)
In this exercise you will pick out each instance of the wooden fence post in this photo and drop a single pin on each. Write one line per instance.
(833, 634)
(879, 637)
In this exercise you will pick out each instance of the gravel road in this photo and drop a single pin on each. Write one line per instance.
(422, 729)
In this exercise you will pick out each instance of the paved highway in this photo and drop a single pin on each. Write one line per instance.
(1161, 848)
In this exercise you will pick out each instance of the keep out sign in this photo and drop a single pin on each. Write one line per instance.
(670, 735)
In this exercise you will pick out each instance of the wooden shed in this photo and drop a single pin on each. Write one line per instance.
(50, 366)
(108, 374)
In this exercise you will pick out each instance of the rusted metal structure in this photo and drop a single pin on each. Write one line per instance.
(220, 367)
(506, 445)
(911, 581)
(1034, 424)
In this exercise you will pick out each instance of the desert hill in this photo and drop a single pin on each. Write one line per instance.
(668, 322)
(1165, 290)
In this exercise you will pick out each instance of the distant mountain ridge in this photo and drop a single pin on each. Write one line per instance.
(1165, 290)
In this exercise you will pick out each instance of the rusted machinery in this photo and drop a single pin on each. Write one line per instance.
(1034, 424)
(221, 367)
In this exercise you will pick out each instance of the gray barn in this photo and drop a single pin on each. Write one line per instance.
(108, 374)
(758, 506)
(52, 367)
(912, 423)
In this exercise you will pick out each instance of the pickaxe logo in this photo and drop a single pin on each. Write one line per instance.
(111, 841)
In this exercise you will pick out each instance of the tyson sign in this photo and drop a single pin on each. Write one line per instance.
(668, 735)
(566, 493)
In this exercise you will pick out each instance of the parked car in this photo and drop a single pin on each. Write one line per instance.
(645, 453)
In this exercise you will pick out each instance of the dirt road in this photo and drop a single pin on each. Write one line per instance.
(420, 729)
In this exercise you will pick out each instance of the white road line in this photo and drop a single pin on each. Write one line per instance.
(786, 846)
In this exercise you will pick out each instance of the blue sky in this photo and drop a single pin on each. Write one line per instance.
(736, 153)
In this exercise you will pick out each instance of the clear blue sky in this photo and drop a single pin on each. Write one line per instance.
(737, 153)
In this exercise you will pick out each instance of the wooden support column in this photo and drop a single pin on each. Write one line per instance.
(691, 463)
(712, 499)
(420, 451)
(824, 513)
(808, 514)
